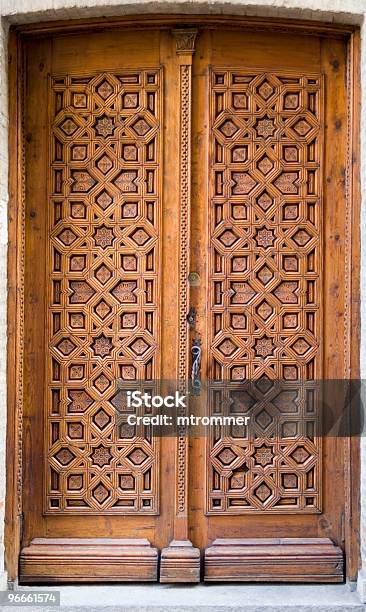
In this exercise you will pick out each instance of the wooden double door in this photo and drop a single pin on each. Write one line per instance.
(173, 172)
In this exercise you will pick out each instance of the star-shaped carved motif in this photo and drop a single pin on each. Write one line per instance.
(263, 455)
(105, 126)
(102, 346)
(101, 456)
(265, 127)
(265, 238)
(264, 346)
(103, 236)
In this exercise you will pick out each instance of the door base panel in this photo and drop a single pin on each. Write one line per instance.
(180, 562)
(274, 560)
(88, 560)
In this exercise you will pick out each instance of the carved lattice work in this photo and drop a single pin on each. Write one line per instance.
(104, 224)
(265, 288)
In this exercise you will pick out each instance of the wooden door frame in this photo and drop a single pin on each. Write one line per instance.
(16, 242)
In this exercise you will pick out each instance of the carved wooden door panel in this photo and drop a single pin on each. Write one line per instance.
(96, 488)
(161, 178)
(268, 498)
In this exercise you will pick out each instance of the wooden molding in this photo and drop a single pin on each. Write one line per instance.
(353, 186)
(180, 562)
(308, 27)
(15, 319)
(88, 560)
(274, 560)
(185, 41)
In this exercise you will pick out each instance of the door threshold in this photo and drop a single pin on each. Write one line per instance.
(206, 597)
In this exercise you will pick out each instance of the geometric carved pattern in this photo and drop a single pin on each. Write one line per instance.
(104, 228)
(265, 288)
(184, 249)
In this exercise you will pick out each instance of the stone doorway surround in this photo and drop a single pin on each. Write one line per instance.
(32, 11)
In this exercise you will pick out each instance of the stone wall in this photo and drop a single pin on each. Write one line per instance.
(26, 11)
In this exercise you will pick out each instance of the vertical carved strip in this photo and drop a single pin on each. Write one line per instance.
(20, 310)
(183, 359)
(185, 196)
(180, 561)
(348, 229)
(185, 42)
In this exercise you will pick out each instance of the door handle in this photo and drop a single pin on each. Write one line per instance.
(196, 367)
